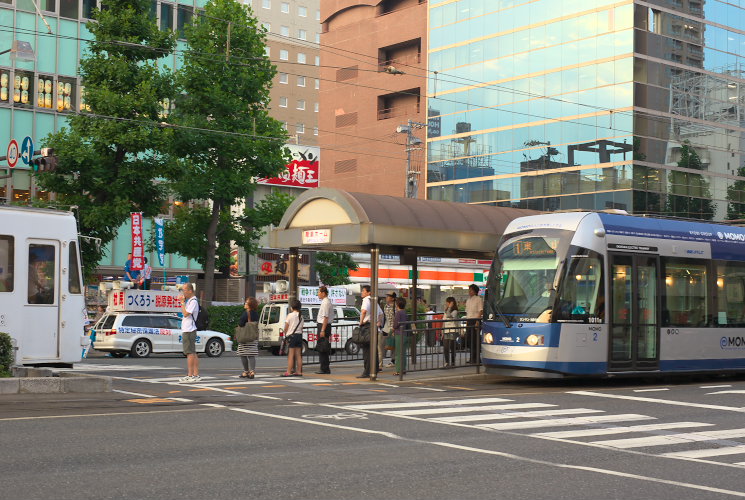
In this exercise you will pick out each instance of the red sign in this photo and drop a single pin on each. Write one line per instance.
(12, 155)
(299, 173)
(138, 251)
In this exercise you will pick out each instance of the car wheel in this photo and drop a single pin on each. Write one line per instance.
(214, 348)
(141, 349)
(351, 348)
(118, 354)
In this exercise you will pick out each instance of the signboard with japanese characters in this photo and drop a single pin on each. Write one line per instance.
(138, 249)
(280, 269)
(144, 301)
(301, 172)
(160, 241)
(316, 236)
(309, 295)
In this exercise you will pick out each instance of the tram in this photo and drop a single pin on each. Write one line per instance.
(610, 294)
(42, 305)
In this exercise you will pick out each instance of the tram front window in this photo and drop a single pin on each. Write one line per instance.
(522, 279)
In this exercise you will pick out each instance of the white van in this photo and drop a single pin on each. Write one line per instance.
(42, 305)
(274, 315)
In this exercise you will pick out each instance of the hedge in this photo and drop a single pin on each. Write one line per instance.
(224, 319)
(6, 354)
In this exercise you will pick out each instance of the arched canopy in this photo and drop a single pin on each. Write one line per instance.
(337, 220)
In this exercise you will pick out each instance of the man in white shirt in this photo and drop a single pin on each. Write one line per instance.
(324, 320)
(190, 310)
(365, 324)
(474, 313)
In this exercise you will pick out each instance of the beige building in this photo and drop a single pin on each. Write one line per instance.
(293, 33)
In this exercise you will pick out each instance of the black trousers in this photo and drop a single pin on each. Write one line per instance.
(366, 354)
(323, 357)
(473, 327)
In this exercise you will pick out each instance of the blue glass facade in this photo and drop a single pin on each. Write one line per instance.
(37, 97)
(566, 104)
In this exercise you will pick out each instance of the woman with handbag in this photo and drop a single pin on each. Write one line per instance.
(294, 338)
(450, 331)
(249, 350)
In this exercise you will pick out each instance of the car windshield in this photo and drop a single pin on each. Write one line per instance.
(521, 282)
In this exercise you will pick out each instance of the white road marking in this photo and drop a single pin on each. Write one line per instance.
(714, 386)
(658, 401)
(618, 430)
(668, 439)
(516, 414)
(84, 367)
(420, 404)
(218, 389)
(727, 392)
(121, 413)
(712, 452)
(181, 400)
(651, 390)
(134, 393)
(441, 410)
(560, 422)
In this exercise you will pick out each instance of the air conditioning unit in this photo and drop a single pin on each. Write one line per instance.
(268, 287)
(282, 286)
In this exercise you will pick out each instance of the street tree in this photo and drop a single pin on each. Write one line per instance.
(333, 267)
(108, 156)
(689, 194)
(224, 138)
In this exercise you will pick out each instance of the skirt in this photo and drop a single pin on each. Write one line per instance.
(249, 349)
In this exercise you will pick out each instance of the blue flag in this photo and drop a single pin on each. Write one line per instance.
(160, 241)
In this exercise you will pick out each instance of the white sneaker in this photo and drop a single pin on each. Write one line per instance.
(188, 378)
(196, 378)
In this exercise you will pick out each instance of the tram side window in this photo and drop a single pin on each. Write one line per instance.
(581, 291)
(731, 294)
(686, 297)
(73, 280)
(42, 269)
(7, 258)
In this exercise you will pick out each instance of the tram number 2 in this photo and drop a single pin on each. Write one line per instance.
(673, 331)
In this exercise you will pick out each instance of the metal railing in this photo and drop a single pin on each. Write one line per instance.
(342, 347)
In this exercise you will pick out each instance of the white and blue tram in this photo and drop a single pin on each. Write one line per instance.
(606, 294)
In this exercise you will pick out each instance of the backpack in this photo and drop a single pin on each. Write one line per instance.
(202, 320)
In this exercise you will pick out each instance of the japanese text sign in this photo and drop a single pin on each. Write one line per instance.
(138, 250)
(316, 236)
(160, 241)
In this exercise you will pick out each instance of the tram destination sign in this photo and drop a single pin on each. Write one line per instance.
(632, 248)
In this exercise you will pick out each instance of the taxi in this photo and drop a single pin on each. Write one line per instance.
(142, 334)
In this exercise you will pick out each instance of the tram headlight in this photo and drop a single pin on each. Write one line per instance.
(488, 338)
(534, 340)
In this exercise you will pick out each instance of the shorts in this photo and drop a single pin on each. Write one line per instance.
(295, 340)
(189, 342)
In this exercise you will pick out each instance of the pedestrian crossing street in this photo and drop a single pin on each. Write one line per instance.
(584, 426)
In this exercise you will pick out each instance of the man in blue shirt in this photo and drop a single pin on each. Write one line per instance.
(129, 274)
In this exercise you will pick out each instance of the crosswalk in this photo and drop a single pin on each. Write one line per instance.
(584, 426)
(236, 381)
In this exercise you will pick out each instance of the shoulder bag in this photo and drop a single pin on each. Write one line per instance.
(247, 333)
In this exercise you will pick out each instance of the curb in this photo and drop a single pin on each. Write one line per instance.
(48, 381)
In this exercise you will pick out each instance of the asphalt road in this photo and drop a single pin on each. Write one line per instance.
(339, 437)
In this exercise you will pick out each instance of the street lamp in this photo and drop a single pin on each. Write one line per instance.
(20, 51)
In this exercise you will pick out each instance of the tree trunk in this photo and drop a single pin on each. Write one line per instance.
(209, 265)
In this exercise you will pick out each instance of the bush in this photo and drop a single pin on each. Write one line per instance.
(6, 354)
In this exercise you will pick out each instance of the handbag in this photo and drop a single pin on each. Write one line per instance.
(323, 345)
(390, 343)
(361, 334)
(247, 333)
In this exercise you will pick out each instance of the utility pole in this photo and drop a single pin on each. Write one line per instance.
(413, 143)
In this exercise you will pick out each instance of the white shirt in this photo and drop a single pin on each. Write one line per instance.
(147, 272)
(187, 322)
(474, 306)
(325, 311)
(293, 319)
(366, 307)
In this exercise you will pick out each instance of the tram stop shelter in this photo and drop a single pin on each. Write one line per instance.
(340, 221)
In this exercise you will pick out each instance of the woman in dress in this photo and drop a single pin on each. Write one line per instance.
(294, 336)
(450, 331)
(250, 350)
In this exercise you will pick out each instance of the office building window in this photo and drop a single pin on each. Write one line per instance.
(285, 8)
(283, 78)
(284, 125)
(300, 128)
(315, 107)
(184, 15)
(284, 30)
(283, 54)
(302, 11)
(302, 34)
(267, 4)
(45, 92)
(318, 15)
(301, 81)
(315, 130)
(5, 91)
(301, 58)
(301, 104)
(68, 8)
(66, 91)
(88, 6)
(318, 60)
(318, 84)
(282, 102)
(318, 38)
(23, 89)
(166, 17)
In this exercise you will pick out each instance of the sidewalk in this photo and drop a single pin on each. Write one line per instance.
(347, 373)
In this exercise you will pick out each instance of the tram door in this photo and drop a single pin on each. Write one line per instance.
(634, 340)
(41, 312)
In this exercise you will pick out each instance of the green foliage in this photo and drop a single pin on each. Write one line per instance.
(333, 267)
(689, 194)
(225, 318)
(230, 95)
(268, 211)
(109, 156)
(6, 354)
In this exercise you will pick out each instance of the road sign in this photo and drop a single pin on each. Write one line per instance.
(12, 153)
(27, 150)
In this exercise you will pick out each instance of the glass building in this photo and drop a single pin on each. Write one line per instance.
(588, 104)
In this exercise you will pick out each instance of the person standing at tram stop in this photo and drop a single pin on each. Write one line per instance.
(323, 320)
(190, 310)
(389, 310)
(365, 324)
(401, 337)
(294, 336)
(129, 274)
(474, 313)
(250, 350)
(450, 330)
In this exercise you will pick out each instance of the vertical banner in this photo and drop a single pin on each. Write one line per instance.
(160, 243)
(137, 246)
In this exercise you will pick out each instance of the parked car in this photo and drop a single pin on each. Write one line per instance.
(140, 335)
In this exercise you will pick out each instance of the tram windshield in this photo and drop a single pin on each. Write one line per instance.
(521, 282)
